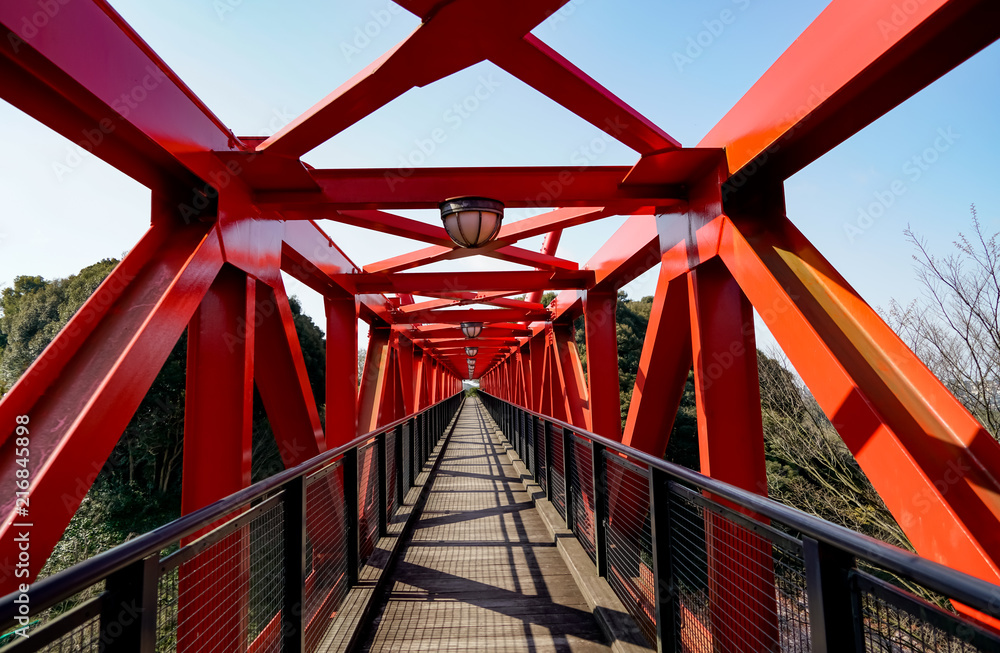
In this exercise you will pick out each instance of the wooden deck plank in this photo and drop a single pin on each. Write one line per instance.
(481, 572)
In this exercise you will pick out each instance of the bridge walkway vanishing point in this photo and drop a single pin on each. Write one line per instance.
(480, 571)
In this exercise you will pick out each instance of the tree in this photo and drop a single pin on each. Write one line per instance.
(34, 310)
(955, 327)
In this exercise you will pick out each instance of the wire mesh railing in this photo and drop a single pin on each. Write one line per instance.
(703, 566)
(263, 570)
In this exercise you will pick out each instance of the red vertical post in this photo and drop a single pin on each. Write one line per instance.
(406, 375)
(521, 375)
(341, 369)
(399, 389)
(570, 369)
(554, 380)
(731, 443)
(420, 379)
(536, 375)
(602, 363)
(435, 389)
(373, 381)
(387, 407)
(218, 418)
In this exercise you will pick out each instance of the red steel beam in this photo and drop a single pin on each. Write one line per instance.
(342, 313)
(663, 368)
(555, 220)
(858, 60)
(525, 187)
(497, 250)
(602, 363)
(457, 316)
(550, 73)
(281, 378)
(417, 282)
(444, 303)
(87, 74)
(424, 57)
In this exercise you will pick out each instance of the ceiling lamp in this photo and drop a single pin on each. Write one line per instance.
(472, 329)
(471, 351)
(471, 221)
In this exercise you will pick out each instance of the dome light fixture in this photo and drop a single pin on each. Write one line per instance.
(471, 221)
(471, 351)
(472, 329)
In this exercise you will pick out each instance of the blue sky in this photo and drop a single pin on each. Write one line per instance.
(258, 64)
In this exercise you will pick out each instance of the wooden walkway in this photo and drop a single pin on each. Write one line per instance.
(480, 572)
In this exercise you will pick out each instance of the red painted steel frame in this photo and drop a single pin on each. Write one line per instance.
(229, 215)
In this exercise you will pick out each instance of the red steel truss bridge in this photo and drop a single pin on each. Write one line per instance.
(526, 518)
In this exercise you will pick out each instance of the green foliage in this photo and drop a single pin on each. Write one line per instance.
(33, 312)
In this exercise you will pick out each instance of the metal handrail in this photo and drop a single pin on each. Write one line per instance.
(56, 588)
(969, 590)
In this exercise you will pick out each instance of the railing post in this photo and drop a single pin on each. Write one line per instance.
(567, 475)
(418, 425)
(547, 435)
(666, 611)
(383, 484)
(599, 466)
(351, 508)
(293, 504)
(534, 447)
(830, 598)
(398, 471)
(128, 608)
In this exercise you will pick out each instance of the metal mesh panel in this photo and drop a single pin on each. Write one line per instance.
(736, 592)
(85, 638)
(166, 612)
(326, 550)
(420, 443)
(540, 469)
(425, 428)
(530, 460)
(523, 436)
(247, 568)
(390, 466)
(558, 494)
(893, 620)
(582, 482)
(368, 498)
(405, 462)
(630, 542)
(792, 600)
